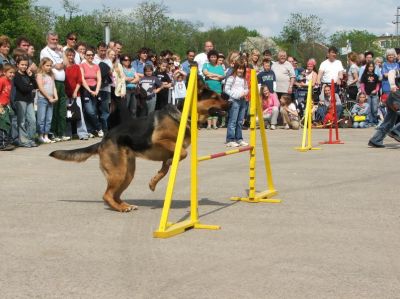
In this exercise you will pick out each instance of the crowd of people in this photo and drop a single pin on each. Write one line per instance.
(73, 88)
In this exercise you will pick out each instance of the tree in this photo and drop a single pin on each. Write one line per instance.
(151, 17)
(70, 7)
(361, 41)
(302, 36)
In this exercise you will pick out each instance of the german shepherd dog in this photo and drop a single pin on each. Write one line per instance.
(152, 138)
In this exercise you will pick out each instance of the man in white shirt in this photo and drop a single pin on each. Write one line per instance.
(330, 69)
(201, 58)
(55, 52)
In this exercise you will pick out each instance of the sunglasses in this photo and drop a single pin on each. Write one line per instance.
(89, 55)
(72, 38)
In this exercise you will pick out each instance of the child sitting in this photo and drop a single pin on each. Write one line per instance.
(289, 113)
(270, 106)
(360, 111)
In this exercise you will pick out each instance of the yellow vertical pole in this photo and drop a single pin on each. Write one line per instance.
(264, 143)
(306, 120)
(179, 142)
(252, 164)
(309, 124)
(194, 213)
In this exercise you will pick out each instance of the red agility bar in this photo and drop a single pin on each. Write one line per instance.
(335, 119)
(231, 152)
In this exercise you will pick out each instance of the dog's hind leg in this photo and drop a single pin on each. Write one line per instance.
(160, 174)
(130, 173)
(114, 163)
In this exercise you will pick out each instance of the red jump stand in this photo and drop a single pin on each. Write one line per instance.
(335, 120)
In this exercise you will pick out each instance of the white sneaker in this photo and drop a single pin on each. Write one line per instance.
(232, 144)
(243, 143)
(65, 138)
(273, 127)
(100, 133)
(287, 127)
(56, 139)
(90, 135)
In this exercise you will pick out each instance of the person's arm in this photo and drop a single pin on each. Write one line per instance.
(362, 87)
(377, 88)
(55, 98)
(292, 76)
(319, 77)
(158, 86)
(392, 80)
(98, 81)
(365, 110)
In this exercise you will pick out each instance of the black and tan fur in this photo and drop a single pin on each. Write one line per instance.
(152, 138)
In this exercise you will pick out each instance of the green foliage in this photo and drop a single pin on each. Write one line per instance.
(361, 41)
(302, 36)
(22, 18)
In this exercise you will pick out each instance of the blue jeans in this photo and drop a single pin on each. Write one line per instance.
(26, 121)
(235, 122)
(104, 98)
(359, 124)
(131, 102)
(151, 104)
(44, 115)
(393, 112)
(373, 102)
(91, 114)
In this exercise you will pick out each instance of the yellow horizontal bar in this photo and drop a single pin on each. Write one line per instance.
(256, 200)
(181, 227)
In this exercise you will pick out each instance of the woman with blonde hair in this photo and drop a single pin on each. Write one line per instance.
(254, 60)
(118, 88)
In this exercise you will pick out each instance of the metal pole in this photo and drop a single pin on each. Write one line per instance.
(107, 32)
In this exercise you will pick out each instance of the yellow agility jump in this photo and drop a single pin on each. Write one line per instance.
(167, 229)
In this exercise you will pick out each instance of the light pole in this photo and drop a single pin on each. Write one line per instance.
(107, 32)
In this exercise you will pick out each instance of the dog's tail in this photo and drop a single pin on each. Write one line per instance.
(76, 155)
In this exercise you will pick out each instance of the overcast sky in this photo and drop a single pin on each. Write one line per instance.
(267, 16)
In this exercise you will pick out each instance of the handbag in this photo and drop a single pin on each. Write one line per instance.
(359, 118)
(73, 111)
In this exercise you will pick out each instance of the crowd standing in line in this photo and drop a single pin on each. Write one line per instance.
(74, 88)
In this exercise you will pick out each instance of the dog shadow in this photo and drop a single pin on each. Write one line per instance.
(159, 203)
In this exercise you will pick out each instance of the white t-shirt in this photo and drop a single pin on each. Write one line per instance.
(201, 59)
(56, 57)
(77, 57)
(283, 72)
(330, 70)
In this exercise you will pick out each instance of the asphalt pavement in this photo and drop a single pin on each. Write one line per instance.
(336, 233)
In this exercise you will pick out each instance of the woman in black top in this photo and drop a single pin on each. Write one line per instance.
(24, 85)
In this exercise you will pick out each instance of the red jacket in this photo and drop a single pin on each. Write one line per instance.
(5, 91)
(73, 77)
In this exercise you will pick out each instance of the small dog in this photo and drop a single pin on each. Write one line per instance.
(152, 138)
